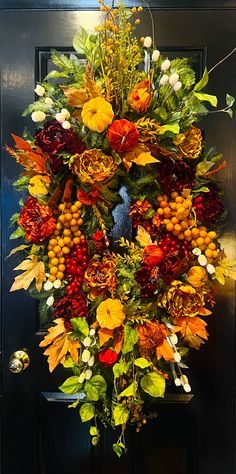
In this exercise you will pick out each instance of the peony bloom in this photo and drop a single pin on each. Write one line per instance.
(141, 96)
(182, 300)
(37, 220)
(107, 357)
(189, 143)
(110, 314)
(93, 166)
(39, 184)
(97, 114)
(69, 307)
(53, 139)
(176, 175)
(208, 207)
(100, 276)
(147, 281)
(122, 135)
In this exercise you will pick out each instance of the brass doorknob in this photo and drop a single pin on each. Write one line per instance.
(19, 361)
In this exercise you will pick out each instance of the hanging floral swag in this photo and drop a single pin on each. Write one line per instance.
(121, 321)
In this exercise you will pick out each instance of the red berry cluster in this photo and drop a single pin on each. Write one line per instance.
(76, 263)
(169, 244)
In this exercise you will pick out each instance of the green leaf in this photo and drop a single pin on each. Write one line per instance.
(118, 448)
(203, 81)
(169, 127)
(74, 404)
(79, 40)
(206, 97)
(93, 431)
(17, 249)
(130, 390)
(56, 74)
(71, 385)
(69, 363)
(19, 232)
(80, 325)
(142, 363)
(229, 112)
(121, 368)
(60, 60)
(130, 339)
(95, 388)
(14, 218)
(95, 440)
(153, 384)
(21, 182)
(86, 411)
(203, 189)
(230, 100)
(120, 415)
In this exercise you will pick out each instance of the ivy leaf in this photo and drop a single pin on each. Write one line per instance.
(71, 385)
(153, 384)
(130, 339)
(142, 363)
(169, 127)
(95, 440)
(74, 404)
(93, 431)
(95, 388)
(69, 363)
(120, 415)
(230, 100)
(17, 249)
(33, 269)
(121, 368)
(203, 81)
(130, 390)
(212, 99)
(80, 325)
(118, 448)
(86, 412)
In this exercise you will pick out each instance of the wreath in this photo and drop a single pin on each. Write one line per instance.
(121, 315)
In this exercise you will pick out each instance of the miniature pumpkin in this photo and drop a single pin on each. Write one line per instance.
(39, 185)
(197, 276)
(110, 313)
(122, 135)
(152, 255)
(97, 114)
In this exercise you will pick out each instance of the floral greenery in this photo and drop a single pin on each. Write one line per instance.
(123, 321)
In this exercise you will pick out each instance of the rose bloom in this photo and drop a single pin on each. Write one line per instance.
(107, 357)
(141, 96)
(100, 276)
(151, 335)
(37, 220)
(182, 300)
(173, 265)
(93, 166)
(89, 198)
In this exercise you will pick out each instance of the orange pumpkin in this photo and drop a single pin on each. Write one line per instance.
(122, 135)
(152, 255)
(197, 276)
(97, 114)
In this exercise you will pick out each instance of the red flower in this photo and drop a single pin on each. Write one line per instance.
(208, 207)
(176, 175)
(37, 220)
(107, 357)
(147, 281)
(89, 198)
(152, 255)
(122, 135)
(99, 241)
(69, 307)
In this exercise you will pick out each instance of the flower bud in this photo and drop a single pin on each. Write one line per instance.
(177, 356)
(202, 260)
(210, 268)
(165, 65)
(164, 79)
(147, 42)
(177, 382)
(88, 374)
(50, 301)
(91, 361)
(66, 125)
(196, 251)
(39, 90)
(187, 387)
(66, 113)
(173, 79)
(60, 117)
(173, 338)
(177, 86)
(92, 332)
(86, 355)
(87, 342)
(38, 116)
(82, 377)
(48, 285)
(57, 284)
(48, 101)
(155, 55)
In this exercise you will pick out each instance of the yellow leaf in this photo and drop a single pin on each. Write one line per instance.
(225, 269)
(105, 335)
(17, 249)
(143, 237)
(219, 275)
(140, 155)
(61, 345)
(76, 97)
(33, 269)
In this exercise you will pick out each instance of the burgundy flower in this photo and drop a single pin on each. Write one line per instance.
(208, 207)
(107, 357)
(69, 307)
(37, 220)
(147, 278)
(176, 175)
(173, 265)
(99, 242)
(139, 211)
(54, 139)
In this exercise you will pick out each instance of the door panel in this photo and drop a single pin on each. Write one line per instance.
(192, 435)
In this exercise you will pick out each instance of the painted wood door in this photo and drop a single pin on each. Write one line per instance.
(193, 434)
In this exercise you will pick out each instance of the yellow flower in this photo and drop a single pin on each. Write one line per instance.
(110, 314)
(182, 300)
(93, 166)
(39, 184)
(141, 96)
(97, 114)
(189, 143)
(100, 276)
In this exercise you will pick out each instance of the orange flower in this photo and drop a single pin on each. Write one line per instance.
(141, 96)
(100, 276)
(110, 314)
(97, 114)
(39, 184)
(93, 166)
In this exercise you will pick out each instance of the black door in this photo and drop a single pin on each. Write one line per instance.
(194, 434)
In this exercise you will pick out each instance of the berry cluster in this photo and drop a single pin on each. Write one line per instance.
(169, 244)
(65, 236)
(76, 263)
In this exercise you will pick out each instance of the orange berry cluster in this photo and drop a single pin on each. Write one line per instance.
(64, 237)
(177, 213)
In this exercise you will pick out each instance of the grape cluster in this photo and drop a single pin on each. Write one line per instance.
(65, 236)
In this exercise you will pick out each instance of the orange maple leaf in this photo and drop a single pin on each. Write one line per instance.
(31, 160)
(105, 335)
(193, 330)
(60, 344)
(118, 339)
(165, 351)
